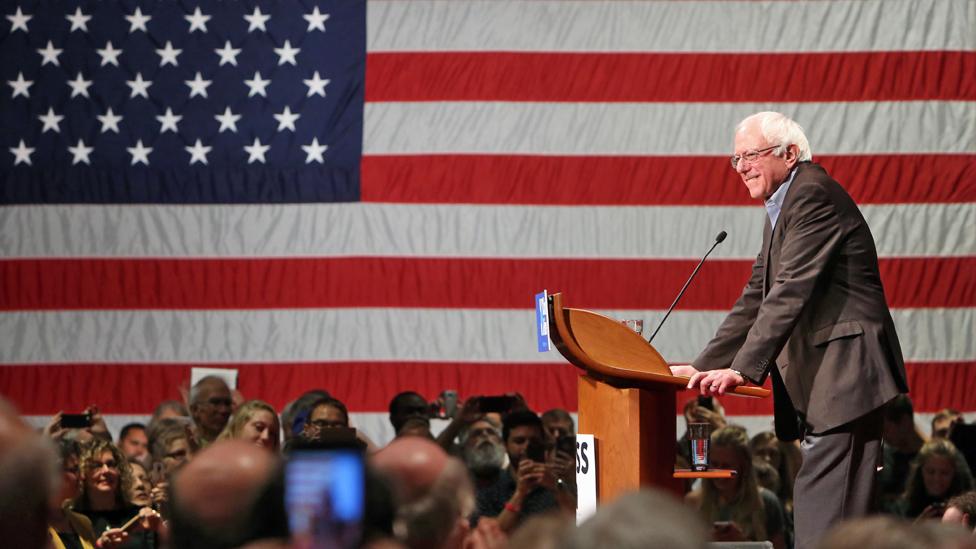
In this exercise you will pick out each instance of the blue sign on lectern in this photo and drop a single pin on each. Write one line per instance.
(542, 320)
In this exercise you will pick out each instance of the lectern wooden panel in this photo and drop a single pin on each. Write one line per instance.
(626, 399)
(635, 433)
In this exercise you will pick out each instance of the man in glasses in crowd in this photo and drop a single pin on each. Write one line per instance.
(813, 316)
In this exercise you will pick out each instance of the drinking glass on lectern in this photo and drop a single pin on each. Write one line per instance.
(635, 325)
(699, 435)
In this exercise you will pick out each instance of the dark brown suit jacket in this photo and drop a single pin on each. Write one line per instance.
(813, 314)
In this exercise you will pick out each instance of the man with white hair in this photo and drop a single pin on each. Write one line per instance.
(813, 316)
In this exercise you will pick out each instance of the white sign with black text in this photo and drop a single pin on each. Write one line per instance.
(585, 477)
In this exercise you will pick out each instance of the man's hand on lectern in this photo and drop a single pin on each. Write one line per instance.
(715, 382)
(683, 370)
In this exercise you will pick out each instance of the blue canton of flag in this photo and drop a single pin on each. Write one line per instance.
(181, 101)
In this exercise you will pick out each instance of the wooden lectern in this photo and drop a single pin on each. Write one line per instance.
(626, 399)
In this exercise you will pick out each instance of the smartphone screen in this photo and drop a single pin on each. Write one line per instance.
(75, 421)
(499, 404)
(324, 494)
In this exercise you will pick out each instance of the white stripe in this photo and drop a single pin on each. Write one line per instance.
(667, 26)
(336, 230)
(396, 334)
(688, 129)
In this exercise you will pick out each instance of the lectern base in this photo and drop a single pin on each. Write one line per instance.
(635, 434)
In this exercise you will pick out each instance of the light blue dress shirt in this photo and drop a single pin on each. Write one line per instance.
(774, 204)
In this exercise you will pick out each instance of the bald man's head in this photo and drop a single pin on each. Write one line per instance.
(229, 494)
(433, 492)
(27, 474)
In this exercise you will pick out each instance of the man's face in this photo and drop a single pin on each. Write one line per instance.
(135, 444)
(212, 409)
(322, 417)
(484, 452)
(411, 406)
(556, 428)
(763, 176)
(518, 440)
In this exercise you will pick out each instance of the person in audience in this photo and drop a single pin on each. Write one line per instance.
(66, 527)
(171, 443)
(255, 421)
(942, 420)
(557, 423)
(483, 451)
(210, 407)
(738, 508)
(541, 532)
(766, 447)
(649, 519)
(525, 487)
(766, 476)
(902, 441)
(938, 473)
(172, 446)
(962, 510)
(27, 464)
(169, 409)
(139, 491)
(133, 441)
(231, 494)
(325, 413)
(432, 492)
(886, 532)
(295, 414)
(407, 405)
(104, 499)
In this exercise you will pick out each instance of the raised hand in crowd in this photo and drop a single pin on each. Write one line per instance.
(487, 535)
(53, 428)
(147, 520)
(727, 531)
(530, 475)
(465, 414)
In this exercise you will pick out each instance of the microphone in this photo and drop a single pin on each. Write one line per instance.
(718, 240)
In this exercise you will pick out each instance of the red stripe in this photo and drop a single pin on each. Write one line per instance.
(74, 284)
(667, 77)
(368, 387)
(647, 180)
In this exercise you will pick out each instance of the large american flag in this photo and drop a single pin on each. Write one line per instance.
(364, 197)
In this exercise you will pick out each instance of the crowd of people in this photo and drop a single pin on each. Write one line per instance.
(211, 472)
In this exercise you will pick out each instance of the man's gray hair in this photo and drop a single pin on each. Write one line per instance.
(780, 129)
(649, 519)
(205, 381)
(466, 432)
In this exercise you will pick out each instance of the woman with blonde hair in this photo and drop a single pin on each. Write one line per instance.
(104, 499)
(738, 508)
(257, 422)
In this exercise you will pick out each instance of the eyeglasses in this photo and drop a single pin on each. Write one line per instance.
(320, 424)
(97, 465)
(749, 156)
(217, 402)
